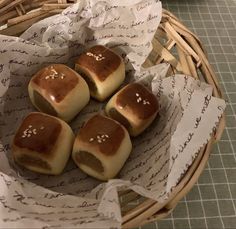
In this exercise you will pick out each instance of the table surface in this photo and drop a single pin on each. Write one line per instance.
(212, 201)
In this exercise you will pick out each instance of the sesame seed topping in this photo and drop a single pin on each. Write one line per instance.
(106, 136)
(28, 135)
(42, 127)
(137, 94)
(30, 126)
(98, 57)
(99, 141)
(54, 71)
(23, 136)
(89, 54)
(91, 139)
(146, 102)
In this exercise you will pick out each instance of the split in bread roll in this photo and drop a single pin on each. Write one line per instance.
(59, 91)
(101, 147)
(103, 70)
(43, 143)
(134, 106)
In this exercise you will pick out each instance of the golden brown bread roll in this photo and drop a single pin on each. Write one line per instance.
(101, 147)
(43, 143)
(59, 91)
(134, 106)
(103, 70)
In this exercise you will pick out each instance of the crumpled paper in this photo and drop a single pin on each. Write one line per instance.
(160, 156)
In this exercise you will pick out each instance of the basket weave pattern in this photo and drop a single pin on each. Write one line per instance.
(174, 44)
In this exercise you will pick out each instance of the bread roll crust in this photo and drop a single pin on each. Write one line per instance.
(134, 106)
(38, 133)
(137, 100)
(102, 134)
(103, 70)
(53, 77)
(100, 61)
(101, 147)
(59, 91)
(43, 143)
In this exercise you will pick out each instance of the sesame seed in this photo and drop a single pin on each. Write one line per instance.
(62, 77)
(137, 94)
(53, 70)
(99, 141)
(42, 127)
(91, 139)
(103, 139)
(89, 54)
(30, 126)
(106, 136)
(23, 136)
(28, 135)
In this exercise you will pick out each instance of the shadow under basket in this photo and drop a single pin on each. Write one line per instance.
(174, 44)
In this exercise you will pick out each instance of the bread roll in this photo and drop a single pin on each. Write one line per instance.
(101, 147)
(59, 91)
(134, 106)
(43, 143)
(103, 70)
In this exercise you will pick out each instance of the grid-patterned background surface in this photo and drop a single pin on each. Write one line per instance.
(212, 201)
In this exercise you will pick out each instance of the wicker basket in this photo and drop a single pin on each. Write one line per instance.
(173, 43)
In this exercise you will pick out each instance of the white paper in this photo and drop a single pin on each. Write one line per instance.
(160, 156)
